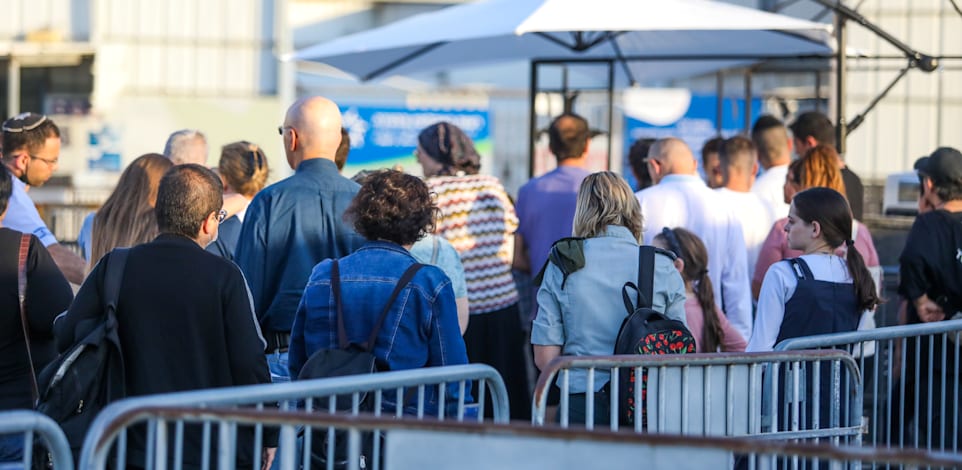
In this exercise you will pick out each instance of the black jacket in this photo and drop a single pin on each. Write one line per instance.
(48, 294)
(185, 323)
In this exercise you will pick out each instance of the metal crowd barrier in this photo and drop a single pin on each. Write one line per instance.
(27, 423)
(432, 445)
(817, 394)
(320, 396)
(911, 382)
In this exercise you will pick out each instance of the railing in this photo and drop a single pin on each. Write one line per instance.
(28, 423)
(817, 395)
(911, 381)
(431, 445)
(322, 396)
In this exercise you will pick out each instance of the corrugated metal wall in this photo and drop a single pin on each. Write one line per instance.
(924, 110)
(190, 47)
(71, 18)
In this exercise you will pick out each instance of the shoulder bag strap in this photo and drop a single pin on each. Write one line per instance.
(401, 283)
(115, 273)
(646, 276)
(22, 296)
(336, 292)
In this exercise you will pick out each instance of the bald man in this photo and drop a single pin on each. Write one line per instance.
(296, 223)
(680, 198)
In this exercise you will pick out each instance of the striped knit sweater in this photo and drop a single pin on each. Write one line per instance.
(479, 220)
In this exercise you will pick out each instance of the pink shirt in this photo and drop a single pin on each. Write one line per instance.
(732, 342)
(776, 249)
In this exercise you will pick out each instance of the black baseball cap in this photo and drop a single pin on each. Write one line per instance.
(943, 167)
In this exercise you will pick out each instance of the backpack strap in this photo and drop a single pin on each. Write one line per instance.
(646, 280)
(401, 283)
(22, 297)
(342, 340)
(114, 277)
(646, 275)
(801, 269)
(336, 291)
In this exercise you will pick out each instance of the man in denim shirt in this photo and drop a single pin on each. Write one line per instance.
(296, 223)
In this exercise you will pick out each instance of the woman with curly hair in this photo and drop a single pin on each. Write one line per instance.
(478, 218)
(392, 210)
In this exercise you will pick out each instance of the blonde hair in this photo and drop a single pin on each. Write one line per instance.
(605, 199)
(243, 166)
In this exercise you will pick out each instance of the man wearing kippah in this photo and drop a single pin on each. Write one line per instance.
(31, 151)
(930, 279)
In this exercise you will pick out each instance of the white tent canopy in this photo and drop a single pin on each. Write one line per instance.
(721, 35)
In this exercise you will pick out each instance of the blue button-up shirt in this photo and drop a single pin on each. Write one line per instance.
(420, 330)
(291, 226)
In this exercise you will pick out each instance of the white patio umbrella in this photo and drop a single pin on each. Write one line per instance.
(489, 31)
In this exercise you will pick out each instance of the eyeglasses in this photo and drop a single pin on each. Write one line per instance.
(221, 216)
(53, 162)
(281, 129)
(24, 122)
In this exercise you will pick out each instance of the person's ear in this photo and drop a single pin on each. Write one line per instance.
(587, 147)
(816, 229)
(680, 266)
(292, 143)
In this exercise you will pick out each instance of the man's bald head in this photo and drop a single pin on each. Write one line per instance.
(312, 130)
(671, 156)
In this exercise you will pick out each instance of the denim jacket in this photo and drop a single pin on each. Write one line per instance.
(421, 329)
(584, 316)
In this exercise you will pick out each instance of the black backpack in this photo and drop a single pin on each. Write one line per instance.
(348, 359)
(83, 380)
(645, 331)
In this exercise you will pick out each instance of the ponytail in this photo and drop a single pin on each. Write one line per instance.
(865, 290)
(713, 335)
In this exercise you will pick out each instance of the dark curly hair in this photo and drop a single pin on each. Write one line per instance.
(393, 206)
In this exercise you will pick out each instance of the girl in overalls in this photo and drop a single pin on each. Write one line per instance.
(819, 292)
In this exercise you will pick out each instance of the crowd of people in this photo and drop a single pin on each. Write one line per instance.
(229, 282)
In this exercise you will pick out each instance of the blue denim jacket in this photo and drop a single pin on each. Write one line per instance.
(421, 329)
(290, 226)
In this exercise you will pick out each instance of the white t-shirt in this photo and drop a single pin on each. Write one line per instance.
(685, 201)
(770, 187)
(22, 215)
(756, 217)
(779, 286)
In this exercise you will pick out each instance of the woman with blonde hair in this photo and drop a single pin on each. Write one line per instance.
(818, 168)
(127, 217)
(243, 169)
(580, 308)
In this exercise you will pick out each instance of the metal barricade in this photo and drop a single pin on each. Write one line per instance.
(320, 396)
(27, 423)
(911, 381)
(817, 394)
(407, 444)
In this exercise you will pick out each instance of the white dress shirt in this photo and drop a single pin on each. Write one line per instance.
(769, 186)
(685, 201)
(756, 217)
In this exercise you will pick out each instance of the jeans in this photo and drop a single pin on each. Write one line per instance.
(11, 451)
(277, 362)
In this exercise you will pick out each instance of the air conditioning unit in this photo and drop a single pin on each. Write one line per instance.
(901, 194)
